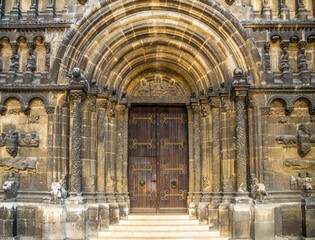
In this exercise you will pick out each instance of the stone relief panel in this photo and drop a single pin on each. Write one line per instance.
(23, 142)
(157, 87)
(291, 142)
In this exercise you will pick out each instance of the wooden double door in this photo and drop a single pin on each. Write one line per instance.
(158, 159)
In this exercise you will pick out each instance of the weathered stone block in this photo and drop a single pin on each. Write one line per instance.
(291, 220)
(114, 213)
(241, 221)
(103, 217)
(264, 222)
(75, 221)
(92, 220)
(308, 219)
(213, 216)
(53, 222)
(224, 220)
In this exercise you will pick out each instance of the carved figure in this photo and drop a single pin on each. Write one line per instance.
(143, 89)
(47, 58)
(172, 90)
(10, 187)
(57, 192)
(14, 65)
(284, 61)
(78, 77)
(31, 61)
(258, 190)
(157, 88)
(63, 181)
(293, 183)
(302, 61)
(302, 140)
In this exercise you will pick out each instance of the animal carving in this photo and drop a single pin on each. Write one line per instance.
(57, 192)
(302, 140)
(288, 141)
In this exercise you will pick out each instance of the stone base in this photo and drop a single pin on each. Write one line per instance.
(286, 77)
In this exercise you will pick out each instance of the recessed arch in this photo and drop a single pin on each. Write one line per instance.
(200, 38)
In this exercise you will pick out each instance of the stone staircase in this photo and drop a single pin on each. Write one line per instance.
(159, 226)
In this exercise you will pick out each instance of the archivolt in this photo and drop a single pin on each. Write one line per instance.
(117, 40)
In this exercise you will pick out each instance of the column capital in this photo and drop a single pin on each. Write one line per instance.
(50, 109)
(76, 95)
(101, 104)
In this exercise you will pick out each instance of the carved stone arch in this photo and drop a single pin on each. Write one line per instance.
(16, 96)
(32, 97)
(309, 99)
(279, 97)
(224, 40)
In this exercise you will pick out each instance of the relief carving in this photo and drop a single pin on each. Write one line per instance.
(10, 187)
(304, 181)
(33, 119)
(14, 66)
(258, 190)
(157, 88)
(12, 141)
(31, 59)
(300, 164)
(302, 140)
(18, 164)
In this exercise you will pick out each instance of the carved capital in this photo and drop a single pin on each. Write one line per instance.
(302, 44)
(285, 44)
(14, 47)
(50, 109)
(312, 110)
(3, 110)
(288, 110)
(240, 95)
(195, 109)
(215, 104)
(101, 104)
(25, 110)
(31, 45)
(265, 110)
(267, 46)
(76, 96)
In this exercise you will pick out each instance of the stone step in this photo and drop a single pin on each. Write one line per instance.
(157, 234)
(157, 228)
(158, 238)
(158, 216)
(160, 222)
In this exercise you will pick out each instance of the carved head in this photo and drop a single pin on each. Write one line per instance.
(238, 73)
(172, 82)
(76, 72)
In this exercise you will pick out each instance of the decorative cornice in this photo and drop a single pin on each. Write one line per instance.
(25, 27)
(279, 25)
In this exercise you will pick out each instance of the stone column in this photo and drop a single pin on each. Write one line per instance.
(51, 175)
(265, 111)
(191, 154)
(15, 13)
(76, 164)
(32, 13)
(266, 11)
(216, 151)
(284, 11)
(101, 145)
(120, 152)
(2, 12)
(110, 147)
(125, 157)
(197, 162)
(241, 141)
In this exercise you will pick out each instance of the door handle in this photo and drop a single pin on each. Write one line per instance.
(153, 180)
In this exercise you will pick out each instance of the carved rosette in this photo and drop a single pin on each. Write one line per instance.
(76, 165)
(241, 156)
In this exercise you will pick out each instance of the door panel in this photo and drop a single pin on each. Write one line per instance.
(158, 159)
(173, 155)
